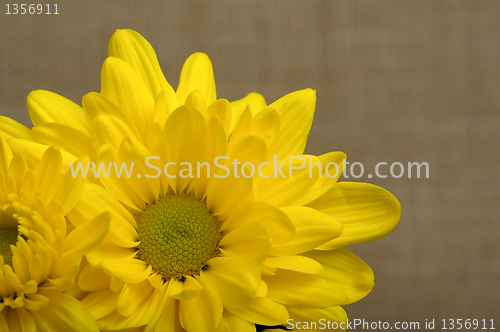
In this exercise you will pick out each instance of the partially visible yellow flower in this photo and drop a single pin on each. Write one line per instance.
(39, 254)
(202, 253)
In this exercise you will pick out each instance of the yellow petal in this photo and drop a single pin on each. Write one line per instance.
(295, 263)
(88, 236)
(70, 190)
(263, 311)
(95, 104)
(196, 100)
(128, 270)
(197, 74)
(122, 223)
(138, 53)
(122, 85)
(235, 280)
(221, 108)
(109, 251)
(335, 316)
(296, 111)
(63, 137)
(5, 154)
(46, 106)
(33, 152)
(233, 323)
(216, 146)
(202, 313)
(313, 228)
(295, 288)
(48, 173)
(347, 271)
(254, 100)
(368, 212)
(92, 280)
(164, 107)
(27, 323)
(166, 317)
(266, 125)
(132, 152)
(277, 223)
(119, 187)
(186, 139)
(115, 321)
(297, 180)
(226, 194)
(132, 296)
(250, 241)
(64, 313)
(12, 128)
(107, 129)
(101, 303)
(184, 290)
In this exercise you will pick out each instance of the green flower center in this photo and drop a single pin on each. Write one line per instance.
(177, 236)
(8, 236)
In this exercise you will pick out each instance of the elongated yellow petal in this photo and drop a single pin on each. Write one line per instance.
(63, 137)
(233, 323)
(122, 85)
(107, 158)
(235, 280)
(263, 311)
(184, 290)
(313, 228)
(166, 317)
(295, 288)
(256, 102)
(296, 111)
(221, 109)
(46, 106)
(347, 271)
(132, 296)
(295, 263)
(130, 46)
(128, 270)
(12, 128)
(101, 303)
(334, 315)
(95, 104)
(5, 154)
(88, 236)
(64, 313)
(368, 212)
(92, 280)
(122, 223)
(33, 152)
(206, 305)
(186, 139)
(250, 241)
(48, 173)
(197, 74)
(237, 191)
(277, 223)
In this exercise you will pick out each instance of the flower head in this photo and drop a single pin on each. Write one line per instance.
(203, 249)
(39, 254)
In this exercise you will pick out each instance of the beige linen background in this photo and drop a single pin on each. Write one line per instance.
(396, 81)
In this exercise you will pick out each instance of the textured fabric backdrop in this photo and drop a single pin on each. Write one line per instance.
(396, 80)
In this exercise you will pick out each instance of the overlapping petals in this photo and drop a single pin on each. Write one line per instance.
(42, 260)
(282, 231)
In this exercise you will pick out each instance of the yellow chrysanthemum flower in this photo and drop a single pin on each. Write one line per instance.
(202, 251)
(39, 256)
